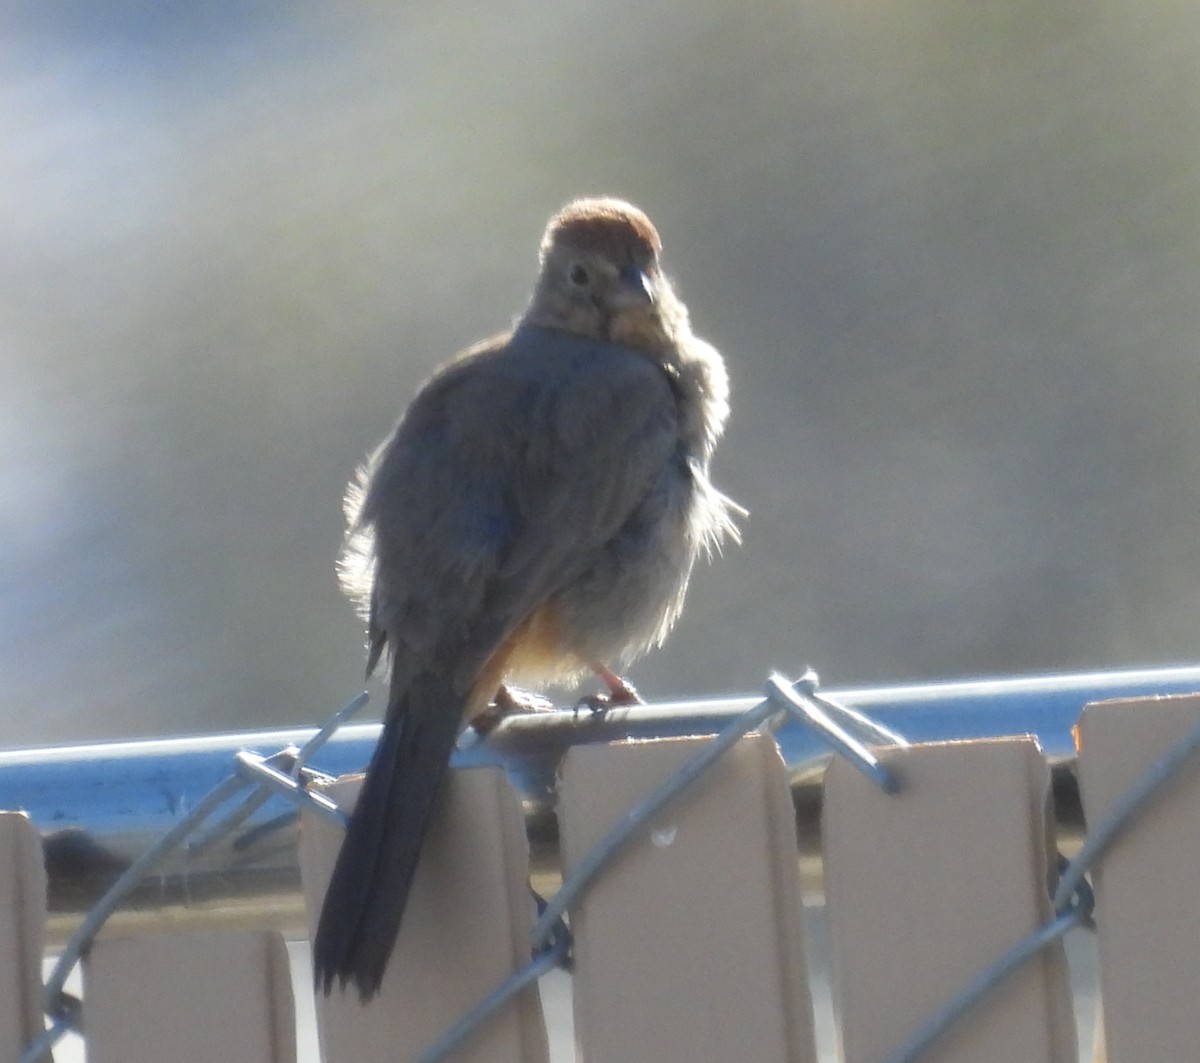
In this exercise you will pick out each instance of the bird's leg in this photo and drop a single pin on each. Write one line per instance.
(620, 692)
(507, 702)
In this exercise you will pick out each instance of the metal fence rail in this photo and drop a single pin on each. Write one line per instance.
(100, 806)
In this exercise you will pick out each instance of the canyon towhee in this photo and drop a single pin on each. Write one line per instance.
(535, 515)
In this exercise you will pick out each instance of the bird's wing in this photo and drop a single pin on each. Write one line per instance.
(603, 442)
(510, 468)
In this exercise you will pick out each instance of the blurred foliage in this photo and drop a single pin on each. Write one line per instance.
(950, 251)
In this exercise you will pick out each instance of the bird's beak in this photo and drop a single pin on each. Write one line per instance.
(636, 288)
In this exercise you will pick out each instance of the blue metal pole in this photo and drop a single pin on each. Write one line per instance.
(99, 806)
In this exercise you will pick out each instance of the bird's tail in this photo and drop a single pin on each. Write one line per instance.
(366, 898)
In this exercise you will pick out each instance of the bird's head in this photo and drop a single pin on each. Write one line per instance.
(601, 278)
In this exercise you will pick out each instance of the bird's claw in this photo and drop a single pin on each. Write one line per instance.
(621, 693)
(509, 701)
(596, 704)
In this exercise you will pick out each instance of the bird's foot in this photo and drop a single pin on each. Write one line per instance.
(509, 701)
(620, 692)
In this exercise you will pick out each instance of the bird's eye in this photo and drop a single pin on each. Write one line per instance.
(579, 275)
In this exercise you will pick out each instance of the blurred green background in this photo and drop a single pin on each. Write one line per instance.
(949, 249)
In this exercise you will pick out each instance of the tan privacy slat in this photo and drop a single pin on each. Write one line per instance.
(196, 996)
(22, 916)
(926, 887)
(1149, 932)
(466, 928)
(689, 946)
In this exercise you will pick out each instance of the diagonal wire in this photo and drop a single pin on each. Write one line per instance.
(553, 955)
(326, 731)
(38, 1049)
(983, 983)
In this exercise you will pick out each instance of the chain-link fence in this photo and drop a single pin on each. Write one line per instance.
(228, 854)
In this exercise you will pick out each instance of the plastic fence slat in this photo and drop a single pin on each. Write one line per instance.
(927, 887)
(205, 996)
(1148, 938)
(466, 928)
(22, 917)
(688, 945)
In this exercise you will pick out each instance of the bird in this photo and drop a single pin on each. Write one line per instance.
(534, 516)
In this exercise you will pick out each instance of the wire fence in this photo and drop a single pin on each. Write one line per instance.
(234, 808)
